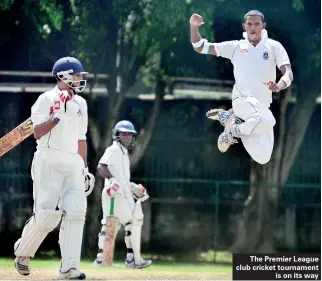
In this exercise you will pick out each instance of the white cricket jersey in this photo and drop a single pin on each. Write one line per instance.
(254, 65)
(73, 127)
(117, 159)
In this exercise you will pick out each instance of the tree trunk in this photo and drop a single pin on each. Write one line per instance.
(145, 134)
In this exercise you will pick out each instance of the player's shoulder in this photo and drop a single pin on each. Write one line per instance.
(114, 148)
(47, 96)
(49, 93)
(273, 42)
(232, 42)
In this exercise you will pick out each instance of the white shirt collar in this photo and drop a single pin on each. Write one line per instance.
(123, 148)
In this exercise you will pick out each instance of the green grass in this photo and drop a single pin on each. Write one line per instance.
(47, 269)
(158, 266)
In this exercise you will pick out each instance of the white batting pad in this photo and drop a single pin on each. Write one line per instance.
(35, 231)
(137, 222)
(71, 230)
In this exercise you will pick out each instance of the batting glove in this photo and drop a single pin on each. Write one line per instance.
(89, 181)
(114, 187)
(139, 192)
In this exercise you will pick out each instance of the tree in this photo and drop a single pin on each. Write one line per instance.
(127, 40)
(256, 228)
(26, 21)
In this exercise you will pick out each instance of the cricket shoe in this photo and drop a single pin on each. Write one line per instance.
(143, 264)
(71, 274)
(99, 262)
(225, 140)
(22, 265)
(227, 137)
(220, 115)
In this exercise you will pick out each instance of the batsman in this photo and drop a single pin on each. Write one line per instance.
(122, 197)
(59, 171)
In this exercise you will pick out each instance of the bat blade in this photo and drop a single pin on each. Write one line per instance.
(16, 136)
(109, 241)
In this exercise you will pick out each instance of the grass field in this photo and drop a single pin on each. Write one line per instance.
(48, 270)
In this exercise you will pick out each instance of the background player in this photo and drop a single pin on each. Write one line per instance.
(114, 166)
(58, 170)
(254, 59)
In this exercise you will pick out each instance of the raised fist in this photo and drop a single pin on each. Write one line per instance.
(196, 20)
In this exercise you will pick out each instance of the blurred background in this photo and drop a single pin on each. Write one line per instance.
(203, 205)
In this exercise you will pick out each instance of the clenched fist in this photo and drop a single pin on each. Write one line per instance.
(196, 20)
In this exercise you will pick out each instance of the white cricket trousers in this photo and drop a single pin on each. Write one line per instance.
(256, 132)
(58, 182)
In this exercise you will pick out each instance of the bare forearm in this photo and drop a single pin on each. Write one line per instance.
(44, 128)
(104, 171)
(82, 150)
(194, 34)
(195, 37)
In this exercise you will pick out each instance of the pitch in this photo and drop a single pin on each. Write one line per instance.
(48, 270)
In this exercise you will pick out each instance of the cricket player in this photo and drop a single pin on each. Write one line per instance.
(114, 166)
(254, 59)
(59, 171)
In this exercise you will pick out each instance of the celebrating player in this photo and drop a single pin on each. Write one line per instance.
(254, 60)
(114, 166)
(59, 171)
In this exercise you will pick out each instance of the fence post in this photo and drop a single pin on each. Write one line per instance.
(216, 218)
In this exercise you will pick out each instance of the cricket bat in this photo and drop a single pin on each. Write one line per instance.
(16, 136)
(109, 242)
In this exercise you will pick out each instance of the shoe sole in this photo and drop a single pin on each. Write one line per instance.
(222, 147)
(24, 274)
(213, 115)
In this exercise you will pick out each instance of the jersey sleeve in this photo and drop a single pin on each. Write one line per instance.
(83, 122)
(110, 157)
(226, 49)
(281, 55)
(40, 111)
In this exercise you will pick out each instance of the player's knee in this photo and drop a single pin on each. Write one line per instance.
(269, 121)
(127, 229)
(47, 220)
(75, 205)
(262, 159)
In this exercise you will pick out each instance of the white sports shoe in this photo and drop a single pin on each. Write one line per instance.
(220, 115)
(72, 274)
(98, 262)
(143, 264)
(225, 140)
(22, 265)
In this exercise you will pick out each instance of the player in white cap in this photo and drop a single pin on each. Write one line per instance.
(254, 59)
(59, 171)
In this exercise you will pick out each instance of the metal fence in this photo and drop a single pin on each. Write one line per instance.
(197, 193)
(200, 213)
